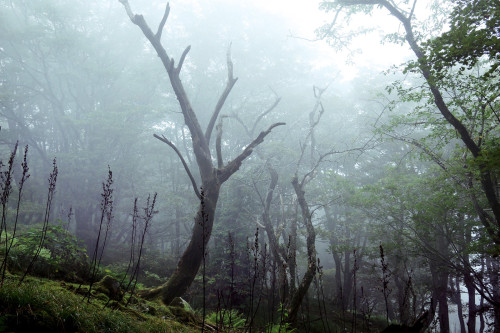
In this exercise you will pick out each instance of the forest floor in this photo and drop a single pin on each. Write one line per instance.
(43, 305)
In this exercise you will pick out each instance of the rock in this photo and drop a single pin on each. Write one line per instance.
(179, 302)
(111, 287)
(183, 311)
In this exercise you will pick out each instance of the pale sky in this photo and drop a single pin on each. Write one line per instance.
(304, 17)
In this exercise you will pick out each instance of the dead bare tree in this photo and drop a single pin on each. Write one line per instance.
(212, 177)
(293, 295)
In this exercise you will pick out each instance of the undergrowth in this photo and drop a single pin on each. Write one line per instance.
(48, 306)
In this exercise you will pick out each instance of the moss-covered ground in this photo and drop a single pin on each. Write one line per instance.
(41, 305)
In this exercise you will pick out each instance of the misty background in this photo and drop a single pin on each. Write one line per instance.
(80, 83)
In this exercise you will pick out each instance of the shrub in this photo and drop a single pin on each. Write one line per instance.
(62, 256)
(227, 319)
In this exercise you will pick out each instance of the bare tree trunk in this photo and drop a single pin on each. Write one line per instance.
(292, 256)
(211, 177)
(278, 256)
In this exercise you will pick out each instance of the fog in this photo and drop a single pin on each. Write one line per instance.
(312, 158)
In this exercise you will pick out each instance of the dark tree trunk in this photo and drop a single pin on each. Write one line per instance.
(191, 259)
(278, 256)
(471, 293)
(458, 300)
(338, 279)
(177, 229)
(292, 261)
(493, 270)
(440, 288)
(347, 288)
(311, 253)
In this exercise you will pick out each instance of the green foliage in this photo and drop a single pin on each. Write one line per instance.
(490, 157)
(283, 326)
(474, 34)
(227, 319)
(61, 257)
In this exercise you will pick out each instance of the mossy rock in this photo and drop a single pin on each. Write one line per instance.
(110, 287)
(183, 312)
(184, 316)
(181, 303)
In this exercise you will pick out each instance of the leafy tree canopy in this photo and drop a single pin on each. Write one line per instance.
(474, 35)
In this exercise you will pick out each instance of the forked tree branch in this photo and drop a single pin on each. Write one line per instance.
(238, 119)
(183, 57)
(273, 237)
(412, 10)
(200, 146)
(163, 21)
(318, 92)
(309, 176)
(250, 132)
(263, 114)
(235, 164)
(222, 99)
(193, 182)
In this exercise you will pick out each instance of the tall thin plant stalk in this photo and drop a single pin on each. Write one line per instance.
(69, 217)
(263, 255)
(254, 250)
(8, 245)
(233, 263)
(149, 212)
(48, 206)
(6, 177)
(106, 214)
